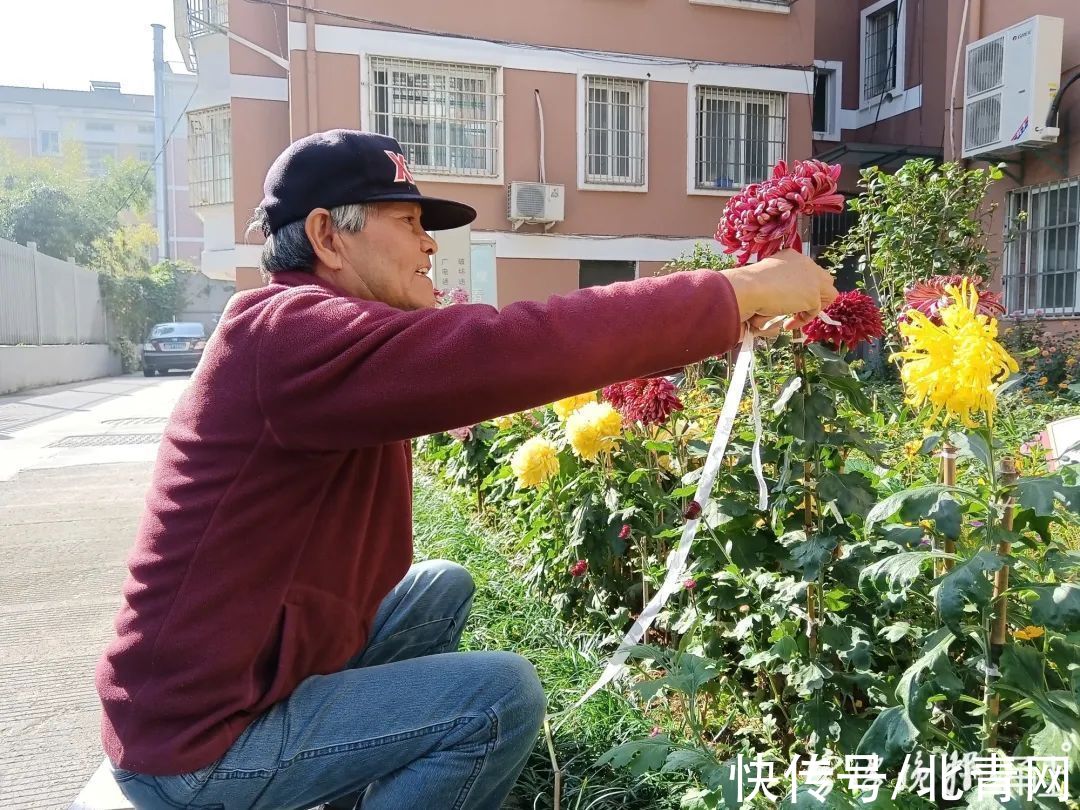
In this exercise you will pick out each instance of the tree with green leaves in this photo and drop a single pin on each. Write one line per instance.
(53, 202)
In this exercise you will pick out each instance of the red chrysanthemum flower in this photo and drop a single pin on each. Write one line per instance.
(929, 296)
(649, 401)
(692, 510)
(624, 532)
(579, 568)
(858, 317)
(764, 217)
(689, 584)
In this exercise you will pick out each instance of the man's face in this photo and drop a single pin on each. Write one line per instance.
(389, 258)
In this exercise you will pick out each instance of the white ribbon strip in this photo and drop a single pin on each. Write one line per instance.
(678, 556)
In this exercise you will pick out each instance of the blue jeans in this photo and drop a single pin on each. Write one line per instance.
(408, 722)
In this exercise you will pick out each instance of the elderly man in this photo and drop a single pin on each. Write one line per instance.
(276, 648)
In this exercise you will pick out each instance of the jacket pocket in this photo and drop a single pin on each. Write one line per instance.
(317, 634)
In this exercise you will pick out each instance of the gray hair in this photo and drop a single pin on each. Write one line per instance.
(288, 248)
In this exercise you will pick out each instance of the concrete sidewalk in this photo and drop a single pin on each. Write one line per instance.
(71, 494)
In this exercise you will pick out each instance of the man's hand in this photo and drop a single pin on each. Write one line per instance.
(788, 283)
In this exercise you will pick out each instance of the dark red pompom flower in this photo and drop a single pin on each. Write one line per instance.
(859, 320)
(649, 401)
(764, 217)
(930, 296)
(624, 532)
(692, 510)
(579, 568)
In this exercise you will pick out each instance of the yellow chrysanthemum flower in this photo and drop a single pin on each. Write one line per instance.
(1029, 633)
(564, 407)
(535, 462)
(593, 429)
(503, 422)
(957, 366)
(666, 463)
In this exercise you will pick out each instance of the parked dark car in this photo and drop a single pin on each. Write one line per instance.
(173, 346)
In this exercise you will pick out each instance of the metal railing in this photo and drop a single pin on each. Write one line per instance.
(1041, 268)
(47, 301)
(207, 16)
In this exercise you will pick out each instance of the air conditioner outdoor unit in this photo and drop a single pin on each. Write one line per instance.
(535, 203)
(1010, 81)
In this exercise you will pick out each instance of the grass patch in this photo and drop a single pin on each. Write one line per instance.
(506, 617)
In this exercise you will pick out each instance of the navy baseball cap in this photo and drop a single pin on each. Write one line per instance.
(346, 166)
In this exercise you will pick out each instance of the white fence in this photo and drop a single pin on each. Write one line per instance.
(46, 301)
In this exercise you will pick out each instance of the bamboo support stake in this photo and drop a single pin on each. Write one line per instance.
(1000, 605)
(554, 764)
(948, 477)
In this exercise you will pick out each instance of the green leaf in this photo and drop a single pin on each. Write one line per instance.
(935, 647)
(852, 390)
(1057, 607)
(641, 756)
(1065, 656)
(807, 417)
(967, 583)
(947, 517)
(820, 717)
(686, 759)
(810, 678)
(724, 779)
(1039, 494)
(989, 802)
(700, 799)
(894, 574)
(810, 554)
(890, 736)
(852, 492)
(920, 499)
(896, 631)
(973, 445)
(1022, 669)
(1054, 741)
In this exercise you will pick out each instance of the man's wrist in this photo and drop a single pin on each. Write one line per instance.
(745, 286)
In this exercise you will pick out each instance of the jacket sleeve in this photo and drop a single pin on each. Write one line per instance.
(336, 372)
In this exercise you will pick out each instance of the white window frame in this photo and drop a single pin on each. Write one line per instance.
(371, 62)
(210, 171)
(897, 90)
(1020, 249)
(96, 153)
(41, 150)
(781, 110)
(583, 177)
(835, 71)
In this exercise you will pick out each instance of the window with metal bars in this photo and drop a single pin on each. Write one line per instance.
(207, 16)
(614, 131)
(879, 53)
(445, 116)
(210, 156)
(739, 135)
(1042, 250)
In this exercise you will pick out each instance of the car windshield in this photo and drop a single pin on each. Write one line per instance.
(188, 330)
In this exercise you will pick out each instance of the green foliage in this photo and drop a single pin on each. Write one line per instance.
(926, 219)
(894, 661)
(701, 257)
(1050, 362)
(53, 202)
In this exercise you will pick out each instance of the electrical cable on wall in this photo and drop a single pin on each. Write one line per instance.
(164, 146)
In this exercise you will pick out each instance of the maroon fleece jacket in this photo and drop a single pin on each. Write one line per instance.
(280, 510)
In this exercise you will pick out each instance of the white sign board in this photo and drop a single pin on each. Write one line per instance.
(1064, 439)
(452, 265)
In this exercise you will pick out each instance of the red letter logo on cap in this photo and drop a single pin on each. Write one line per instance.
(402, 174)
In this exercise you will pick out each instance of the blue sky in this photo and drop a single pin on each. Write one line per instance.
(66, 43)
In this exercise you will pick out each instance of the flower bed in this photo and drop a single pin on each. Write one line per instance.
(909, 590)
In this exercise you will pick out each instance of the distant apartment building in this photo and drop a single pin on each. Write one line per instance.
(108, 124)
(597, 140)
(905, 78)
